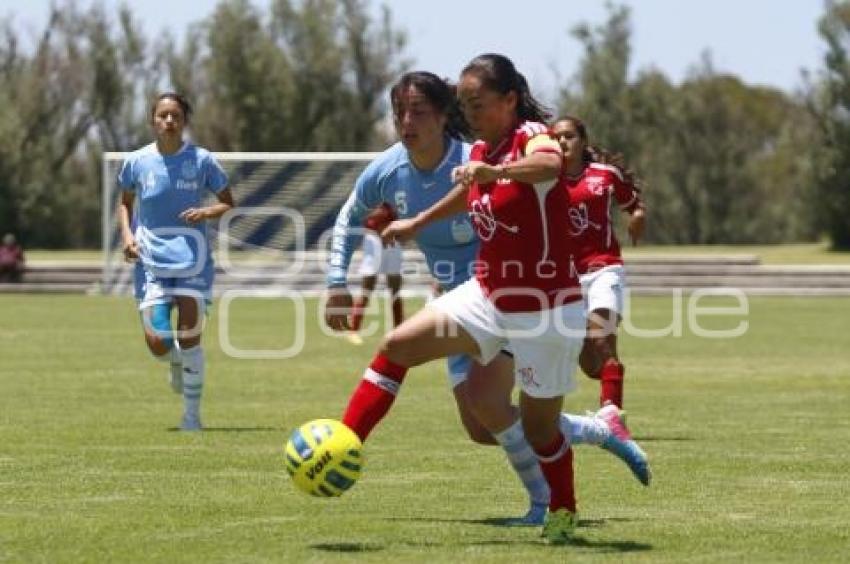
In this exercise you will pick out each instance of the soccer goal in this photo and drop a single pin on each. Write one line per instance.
(286, 201)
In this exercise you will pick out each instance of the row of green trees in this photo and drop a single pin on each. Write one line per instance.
(307, 76)
(721, 161)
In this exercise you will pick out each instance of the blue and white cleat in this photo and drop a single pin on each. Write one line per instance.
(534, 518)
(619, 442)
(191, 421)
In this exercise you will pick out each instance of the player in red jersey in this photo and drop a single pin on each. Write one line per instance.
(595, 180)
(524, 295)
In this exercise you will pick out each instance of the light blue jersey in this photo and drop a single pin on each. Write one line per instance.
(165, 186)
(449, 245)
(175, 257)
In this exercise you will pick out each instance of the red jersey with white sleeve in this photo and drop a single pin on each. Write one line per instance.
(524, 260)
(591, 195)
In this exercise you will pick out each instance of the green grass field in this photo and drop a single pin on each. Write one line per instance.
(748, 439)
(788, 253)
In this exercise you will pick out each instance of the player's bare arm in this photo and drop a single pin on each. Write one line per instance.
(637, 224)
(197, 215)
(125, 215)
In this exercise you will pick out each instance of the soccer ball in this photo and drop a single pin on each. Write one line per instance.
(324, 458)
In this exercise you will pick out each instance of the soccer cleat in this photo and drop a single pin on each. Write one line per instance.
(354, 338)
(623, 413)
(559, 526)
(191, 421)
(619, 442)
(175, 376)
(536, 516)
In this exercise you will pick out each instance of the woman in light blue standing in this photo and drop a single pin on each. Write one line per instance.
(174, 266)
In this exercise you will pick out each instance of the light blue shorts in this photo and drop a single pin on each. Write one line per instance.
(458, 368)
(151, 288)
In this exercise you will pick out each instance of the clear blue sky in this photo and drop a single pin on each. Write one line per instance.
(762, 41)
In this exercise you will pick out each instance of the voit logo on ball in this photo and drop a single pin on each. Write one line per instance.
(323, 458)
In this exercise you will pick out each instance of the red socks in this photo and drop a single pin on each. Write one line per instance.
(357, 310)
(374, 396)
(611, 378)
(556, 462)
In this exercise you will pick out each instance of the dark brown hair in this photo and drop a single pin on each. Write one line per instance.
(441, 94)
(596, 154)
(498, 73)
(179, 98)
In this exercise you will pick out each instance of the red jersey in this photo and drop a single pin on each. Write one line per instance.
(591, 195)
(524, 259)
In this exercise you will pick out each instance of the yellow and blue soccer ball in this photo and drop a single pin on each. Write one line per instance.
(324, 458)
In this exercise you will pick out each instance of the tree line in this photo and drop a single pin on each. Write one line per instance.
(720, 161)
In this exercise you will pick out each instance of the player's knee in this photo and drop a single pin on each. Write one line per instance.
(590, 365)
(589, 361)
(475, 429)
(399, 348)
(159, 334)
(159, 348)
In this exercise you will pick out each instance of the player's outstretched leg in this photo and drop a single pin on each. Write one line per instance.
(619, 442)
(607, 429)
(374, 395)
(426, 336)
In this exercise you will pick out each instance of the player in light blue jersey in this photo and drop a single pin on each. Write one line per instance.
(174, 267)
(410, 177)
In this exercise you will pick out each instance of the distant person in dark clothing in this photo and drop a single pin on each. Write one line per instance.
(11, 259)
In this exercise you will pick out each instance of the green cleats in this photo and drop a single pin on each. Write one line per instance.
(559, 526)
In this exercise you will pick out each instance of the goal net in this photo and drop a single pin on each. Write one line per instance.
(287, 202)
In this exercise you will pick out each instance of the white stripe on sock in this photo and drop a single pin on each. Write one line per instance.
(565, 446)
(386, 384)
(193, 377)
(520, 455)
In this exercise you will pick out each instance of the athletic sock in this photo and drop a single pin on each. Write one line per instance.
(193, 378)
(524, 462)
(374, 396)
(357, 312)
(556, 462)
(611, 388)
(583, 430)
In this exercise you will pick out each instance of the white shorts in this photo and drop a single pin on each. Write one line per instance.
(378, 259)
(545, 344)
(604, 288)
